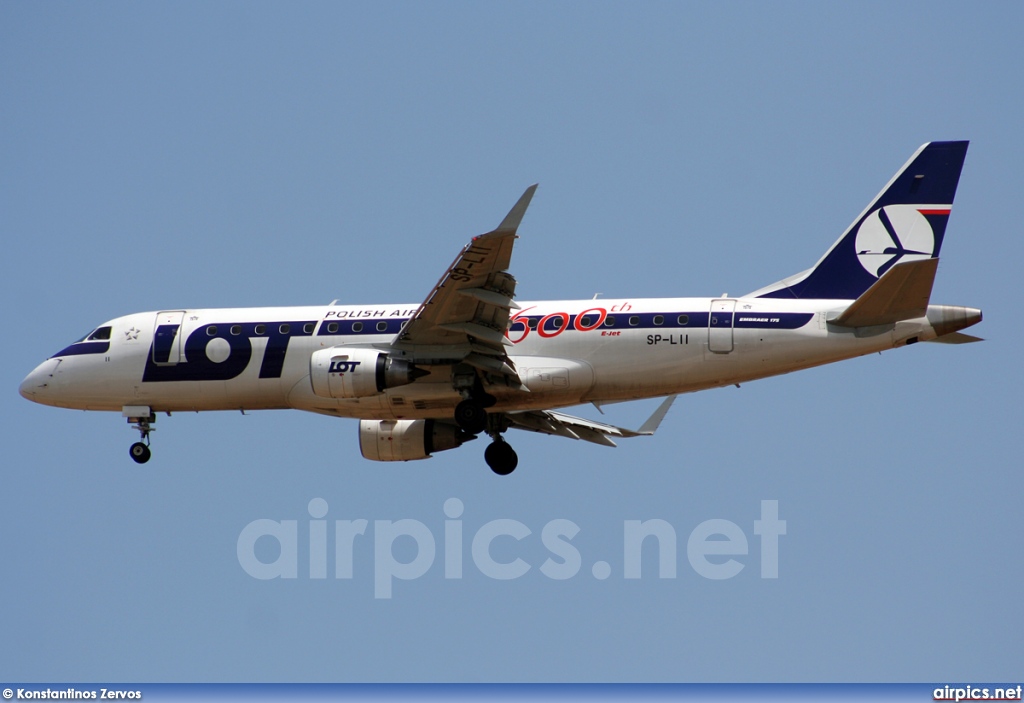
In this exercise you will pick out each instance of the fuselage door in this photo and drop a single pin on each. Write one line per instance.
(167, 337)
(720, 325)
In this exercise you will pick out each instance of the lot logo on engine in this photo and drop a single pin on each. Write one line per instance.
(343, 365)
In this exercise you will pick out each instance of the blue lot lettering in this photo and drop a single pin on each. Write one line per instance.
(195, 364)
(343, 366)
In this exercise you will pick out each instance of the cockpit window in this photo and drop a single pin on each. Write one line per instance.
(100, 335)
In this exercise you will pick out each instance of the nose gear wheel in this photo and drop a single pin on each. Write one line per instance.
(140, 451)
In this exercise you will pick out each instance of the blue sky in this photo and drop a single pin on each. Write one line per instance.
(166, 156)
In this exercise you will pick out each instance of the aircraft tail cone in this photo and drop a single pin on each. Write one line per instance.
(946, 319)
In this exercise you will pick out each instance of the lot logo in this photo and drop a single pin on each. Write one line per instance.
(343, 365)
(893, 234)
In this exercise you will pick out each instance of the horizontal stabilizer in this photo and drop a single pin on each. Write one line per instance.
(902, 293)
(957, 338)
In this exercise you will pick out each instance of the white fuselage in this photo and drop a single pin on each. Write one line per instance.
(472, 359)
(565, 353)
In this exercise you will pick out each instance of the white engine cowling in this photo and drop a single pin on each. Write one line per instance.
(354, 372)
(407, 440)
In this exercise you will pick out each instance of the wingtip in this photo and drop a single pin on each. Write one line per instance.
(515, 215)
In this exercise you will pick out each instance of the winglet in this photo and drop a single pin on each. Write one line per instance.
(651, 426)
(515, 215)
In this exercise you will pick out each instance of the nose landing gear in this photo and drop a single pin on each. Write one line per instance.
(140, 452)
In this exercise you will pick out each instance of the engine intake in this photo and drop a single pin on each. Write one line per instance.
(347, 372)
(407, 440)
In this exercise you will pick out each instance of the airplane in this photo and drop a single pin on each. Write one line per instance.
(471, 359)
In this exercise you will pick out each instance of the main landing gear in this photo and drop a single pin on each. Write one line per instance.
(500, 456)
(140, 451)
(471, 416)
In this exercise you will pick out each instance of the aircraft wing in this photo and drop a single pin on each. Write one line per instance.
(555, 423)
(469, 308)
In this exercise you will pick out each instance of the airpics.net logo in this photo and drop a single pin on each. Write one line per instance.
(716, 549)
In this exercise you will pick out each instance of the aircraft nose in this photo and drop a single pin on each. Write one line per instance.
(26, 388)
(39, 381)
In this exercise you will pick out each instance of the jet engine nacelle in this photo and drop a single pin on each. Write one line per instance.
(407, 440)
(353, 372)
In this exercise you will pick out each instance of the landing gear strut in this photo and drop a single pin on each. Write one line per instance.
(501, 457)
(140, 451)
(471, 416)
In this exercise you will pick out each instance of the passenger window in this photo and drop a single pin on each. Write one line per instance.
(332, 327)
(357, 326)
(236, 330)
(557, 322)
(609, 321)
(261, 329)
(683, 320)
(659, 320)
(285, 329)
(634, 320)
(211, 330)
(586, 321)
(307, 328)
(382, 326)
(532, 322)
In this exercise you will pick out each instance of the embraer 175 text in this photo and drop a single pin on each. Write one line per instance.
(472, 359)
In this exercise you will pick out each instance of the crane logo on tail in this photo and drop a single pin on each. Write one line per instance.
(893, 234)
